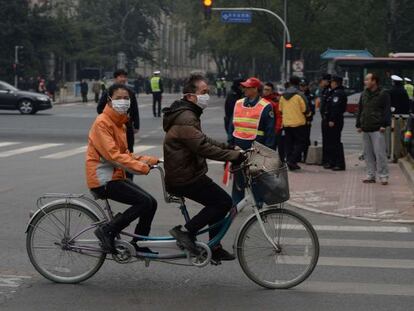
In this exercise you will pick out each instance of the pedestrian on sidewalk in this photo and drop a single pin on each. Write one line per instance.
(304, 88)
(273, 97)
(374, 115)
(325, 84)
(84, 88)
(234, 95)
(400, 102)
(121, 77)
(253, 120)
(96, 89)
(156, 89)
(333, 122)
(294, 108)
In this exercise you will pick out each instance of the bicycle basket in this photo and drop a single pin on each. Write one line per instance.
(272, 187)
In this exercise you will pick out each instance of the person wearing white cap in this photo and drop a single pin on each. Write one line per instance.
(409, 88)
(156, 89)
(399, 97)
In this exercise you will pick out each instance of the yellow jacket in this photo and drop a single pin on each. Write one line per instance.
(293, 108)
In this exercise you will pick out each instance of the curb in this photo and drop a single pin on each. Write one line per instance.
(407, 168)
(316, 211)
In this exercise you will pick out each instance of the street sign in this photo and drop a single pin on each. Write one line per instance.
(236, 17)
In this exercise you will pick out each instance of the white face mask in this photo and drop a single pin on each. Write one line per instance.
(121, 105)
(202, 101)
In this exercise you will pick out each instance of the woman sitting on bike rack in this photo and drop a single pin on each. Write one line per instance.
(107, 160)
(186, 148)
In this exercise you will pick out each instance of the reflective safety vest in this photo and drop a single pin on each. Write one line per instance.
(410, 90)
(155, 84)
(246, 120)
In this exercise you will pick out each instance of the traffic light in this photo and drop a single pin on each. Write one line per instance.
(21, 55)
(288, 45)
(207, 4)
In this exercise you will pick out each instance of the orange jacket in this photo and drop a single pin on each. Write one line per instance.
(107, 156)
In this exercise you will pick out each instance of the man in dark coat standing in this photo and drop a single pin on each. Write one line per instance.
(234, 95)
(400, 102)
(121, 77)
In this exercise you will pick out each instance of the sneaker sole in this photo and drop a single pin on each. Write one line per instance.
(184, 245)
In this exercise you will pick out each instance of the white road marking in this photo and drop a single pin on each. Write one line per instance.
(356, 288)
(65, 154)
(12, 281)
(353, 243)
(142, 148)
(13, 152)
(387, 229)
(8, 143)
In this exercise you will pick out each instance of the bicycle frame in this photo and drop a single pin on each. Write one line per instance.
(153, 241)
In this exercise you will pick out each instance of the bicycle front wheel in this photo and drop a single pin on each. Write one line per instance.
(50, 251)
(291, 262)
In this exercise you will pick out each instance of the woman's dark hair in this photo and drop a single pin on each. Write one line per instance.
(190, 85)
(375, 77)
(270, 84)
(115, 87)
(120, 72)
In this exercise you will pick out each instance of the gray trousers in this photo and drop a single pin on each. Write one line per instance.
(375, 151)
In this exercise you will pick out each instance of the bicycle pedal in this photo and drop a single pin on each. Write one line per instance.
(215, 262)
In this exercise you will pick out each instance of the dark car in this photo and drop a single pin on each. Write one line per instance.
(26, 102)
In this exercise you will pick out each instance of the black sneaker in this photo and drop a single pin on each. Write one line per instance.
(142, 249)
(107, 238)
(184, 240)
(293, 166)
(220, 254)
(338, 168)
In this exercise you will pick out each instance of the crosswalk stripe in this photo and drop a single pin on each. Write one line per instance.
(384, 229)
(65, 154)
(13, 152)
(142, 148)
(354, 288)
(364, 262)
(353, 243)
(8, 143)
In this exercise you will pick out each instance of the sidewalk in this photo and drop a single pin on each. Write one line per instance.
(343, 193)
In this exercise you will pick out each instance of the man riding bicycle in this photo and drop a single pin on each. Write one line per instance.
(186, 149)
(107, 160)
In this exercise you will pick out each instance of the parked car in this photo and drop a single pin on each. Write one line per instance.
(26, 102)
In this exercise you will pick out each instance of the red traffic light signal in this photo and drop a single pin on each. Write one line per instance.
(288, 45)
(207, 4)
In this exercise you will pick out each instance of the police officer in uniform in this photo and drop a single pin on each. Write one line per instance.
(323, 95)
(156, 89)
(333, 123)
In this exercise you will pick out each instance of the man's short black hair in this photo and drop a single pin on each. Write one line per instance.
(294, 81)
(120, 72)
(270, 84)
(190, 85)
(115, 87)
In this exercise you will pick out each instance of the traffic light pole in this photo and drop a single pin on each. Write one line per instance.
(16, 63)
(286, 31)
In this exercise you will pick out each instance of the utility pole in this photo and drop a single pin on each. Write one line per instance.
(286, 65)
(16, 63)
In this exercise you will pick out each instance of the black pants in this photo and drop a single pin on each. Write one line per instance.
(143, 205)
(308, 142)
(84, 97)
(280, 146)
(324, 126)
(156, 104)
(131, 141)
(334, 148)
(216, 201)
(96, 97)
(295, 141)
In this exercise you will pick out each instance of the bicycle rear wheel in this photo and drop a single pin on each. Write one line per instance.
(48, 248)
(284, 268)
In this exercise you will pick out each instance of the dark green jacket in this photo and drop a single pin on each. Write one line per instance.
(374, 110)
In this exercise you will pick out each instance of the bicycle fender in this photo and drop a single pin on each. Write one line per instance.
(58, 202)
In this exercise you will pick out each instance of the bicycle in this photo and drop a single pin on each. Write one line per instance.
(276, 247)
